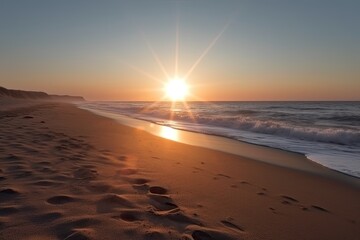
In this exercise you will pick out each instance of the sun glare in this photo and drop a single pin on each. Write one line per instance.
(169, 133)
(176, 89)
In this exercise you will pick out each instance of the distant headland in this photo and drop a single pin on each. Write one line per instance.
(10, 93)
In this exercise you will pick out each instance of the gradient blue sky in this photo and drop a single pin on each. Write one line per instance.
(270, 50)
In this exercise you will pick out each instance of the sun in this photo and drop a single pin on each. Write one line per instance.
(176, 89)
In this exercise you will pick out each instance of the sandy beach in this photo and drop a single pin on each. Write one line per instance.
(66, 173)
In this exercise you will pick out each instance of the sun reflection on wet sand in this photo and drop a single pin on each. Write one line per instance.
(169, 133)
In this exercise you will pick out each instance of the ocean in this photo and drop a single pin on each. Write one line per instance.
(326, 132)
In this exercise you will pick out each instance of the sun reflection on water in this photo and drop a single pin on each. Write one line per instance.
(169, 133)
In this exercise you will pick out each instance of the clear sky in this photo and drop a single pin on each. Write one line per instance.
(258, 50)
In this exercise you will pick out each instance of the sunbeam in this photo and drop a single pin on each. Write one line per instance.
(177, 47)
(152, 105)
(171, 110)
(188, 110)
(144, 73)
(157, 59)
(209, 47)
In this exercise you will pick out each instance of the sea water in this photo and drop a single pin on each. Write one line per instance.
(326, 132)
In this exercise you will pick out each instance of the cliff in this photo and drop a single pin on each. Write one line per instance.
(37, 95)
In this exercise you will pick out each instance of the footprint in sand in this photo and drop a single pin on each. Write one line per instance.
(8, 192)
(23, 174)
(111, 201)
(158, 190)
(45, 183)
(47, 217)
(154, 235)
(62, 199)
(232, 225)
(319, 208)
(141, 185)
(272, 209)
(99, 187)
(162, 203)
(5, 211)
(143, 188)
(204, 233)
(200, 235)
(47, 170)
(85, 174)
(42, 163)
(285, 202)
(16, 168)
(78, 229)
(12, 157)
(169, 207)
(166, 208)
(77, 236)
(116, 200)
(128, 216)
(180, 217)
(140, 181)
(287, 198)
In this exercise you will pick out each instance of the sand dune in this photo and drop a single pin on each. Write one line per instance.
(68, 174)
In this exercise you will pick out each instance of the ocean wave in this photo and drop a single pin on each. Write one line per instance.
(245, 112)
(326, 135)
(351, 118)
(314, 134)
(241, 119)
(297, 108)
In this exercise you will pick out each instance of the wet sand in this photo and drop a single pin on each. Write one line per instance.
(66, 173)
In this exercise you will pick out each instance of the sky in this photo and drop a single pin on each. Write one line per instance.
(244, 50)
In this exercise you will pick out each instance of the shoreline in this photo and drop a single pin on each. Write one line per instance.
(331, 141)
(305, 164)
(68, 173)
